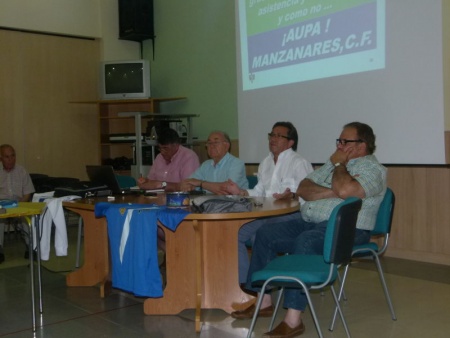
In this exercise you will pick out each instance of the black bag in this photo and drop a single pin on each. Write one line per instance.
(221, 204)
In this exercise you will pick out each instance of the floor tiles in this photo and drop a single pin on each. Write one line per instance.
(420, 293)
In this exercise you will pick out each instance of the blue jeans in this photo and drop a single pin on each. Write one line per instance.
(247, 233)
(294, 237)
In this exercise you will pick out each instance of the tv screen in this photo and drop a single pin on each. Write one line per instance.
(125, 79)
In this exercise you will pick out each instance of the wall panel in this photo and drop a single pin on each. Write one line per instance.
(39, 76)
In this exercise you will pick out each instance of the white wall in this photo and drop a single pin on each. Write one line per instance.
(113, 48)
(84, 18)
(79, 18)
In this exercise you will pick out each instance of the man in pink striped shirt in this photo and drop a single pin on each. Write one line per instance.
(173, 164)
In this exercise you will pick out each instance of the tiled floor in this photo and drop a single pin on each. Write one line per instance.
(420, 292)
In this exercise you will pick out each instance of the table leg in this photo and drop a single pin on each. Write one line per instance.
(198, 275)
(180, 291)
(37, 227)
(30, 250)
(95, 269)
(221, 288)
(202, 269)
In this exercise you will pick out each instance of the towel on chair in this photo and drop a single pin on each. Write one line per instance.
(54, 214)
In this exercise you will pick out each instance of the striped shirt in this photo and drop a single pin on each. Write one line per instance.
(368, 172)
(15, 183)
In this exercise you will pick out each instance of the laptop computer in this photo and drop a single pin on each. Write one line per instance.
(104, 175)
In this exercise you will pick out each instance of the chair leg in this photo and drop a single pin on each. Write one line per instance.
(258, 306)
(385, 289)
(340, 296)
(342, 290)
(277, 306)
(80, 229)
(313, 312)
(341, 314)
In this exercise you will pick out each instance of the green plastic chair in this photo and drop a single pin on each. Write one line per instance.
(312, 272)
(252, 181)
(373, 250)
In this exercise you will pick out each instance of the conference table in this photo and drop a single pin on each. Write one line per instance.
(201, 255)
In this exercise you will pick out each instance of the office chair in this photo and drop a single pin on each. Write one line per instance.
(373, 250)
(312, 272)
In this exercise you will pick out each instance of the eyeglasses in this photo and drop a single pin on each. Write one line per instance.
(215, 143)
(343, 141)
(277, 136)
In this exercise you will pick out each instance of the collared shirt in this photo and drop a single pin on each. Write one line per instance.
(290, 169)
(229, 167)
(182, 164)
(15, 184)
(372, 177)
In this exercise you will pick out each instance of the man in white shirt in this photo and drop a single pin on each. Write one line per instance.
(279, 175)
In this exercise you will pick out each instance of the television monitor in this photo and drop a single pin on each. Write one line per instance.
(125, 80)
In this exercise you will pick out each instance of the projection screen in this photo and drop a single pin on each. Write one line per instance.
(323, 63)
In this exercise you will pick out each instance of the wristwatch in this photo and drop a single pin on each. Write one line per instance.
(163, 184)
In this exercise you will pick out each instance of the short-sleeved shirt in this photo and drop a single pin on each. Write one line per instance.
(182, 164)
(368, 172)
(16, 183)
(229, 167)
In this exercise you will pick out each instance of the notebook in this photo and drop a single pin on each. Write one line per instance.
(104, 175)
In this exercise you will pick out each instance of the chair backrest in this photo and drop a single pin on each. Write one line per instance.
(252, 181)
(340, 233)
(126, 181)
(385, 214)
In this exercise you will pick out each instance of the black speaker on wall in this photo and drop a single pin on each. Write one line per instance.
(136, 20)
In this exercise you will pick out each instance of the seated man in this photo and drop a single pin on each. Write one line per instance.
(352, 170)
(15, 184)
(221, 167)
(173, 164)
(279, 175)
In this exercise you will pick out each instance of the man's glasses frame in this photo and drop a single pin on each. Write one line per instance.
(343, 141)
(277, 136)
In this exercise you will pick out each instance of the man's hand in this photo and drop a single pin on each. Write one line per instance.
(189, 184)
(231, 188)
(343, 184)
(141, 180)
(340, 156)
(145, 183)
(287, 194)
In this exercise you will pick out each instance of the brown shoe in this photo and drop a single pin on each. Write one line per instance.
(285, 331)
(249, 312)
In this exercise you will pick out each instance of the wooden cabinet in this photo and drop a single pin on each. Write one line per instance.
(129, 118)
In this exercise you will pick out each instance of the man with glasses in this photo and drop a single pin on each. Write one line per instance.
(221, 167)
(279, 175)
(352, 170)
(173, 164)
